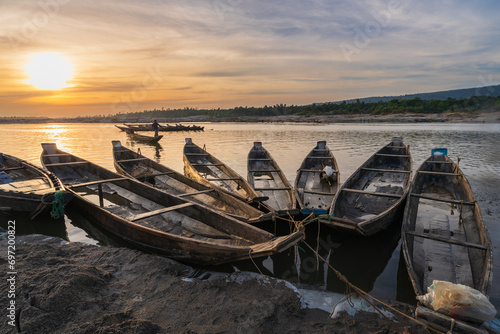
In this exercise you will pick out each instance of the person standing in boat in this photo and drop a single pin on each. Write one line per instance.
(156, 127)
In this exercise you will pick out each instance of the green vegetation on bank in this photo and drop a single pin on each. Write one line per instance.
(395, 106)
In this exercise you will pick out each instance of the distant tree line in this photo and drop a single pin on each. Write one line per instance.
(395, 106)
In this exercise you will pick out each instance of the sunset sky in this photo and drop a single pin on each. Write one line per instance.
(106, 57)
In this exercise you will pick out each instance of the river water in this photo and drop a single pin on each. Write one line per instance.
(374, 264)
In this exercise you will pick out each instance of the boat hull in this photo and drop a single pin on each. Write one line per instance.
(198, 161)
(162, 128)
(156, 221)
(374, 195)
(268, 180)
(142, 138)
(443, 233)
(27, 188)
(137, 166)
(315, 193)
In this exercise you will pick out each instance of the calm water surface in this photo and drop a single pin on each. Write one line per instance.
(374, 264)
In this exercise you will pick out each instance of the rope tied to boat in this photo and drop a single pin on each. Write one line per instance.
(250, 256)
(460, 215)
(451, 326)
(57, 210)
(328, 216)
(455, 170)
(363, 294)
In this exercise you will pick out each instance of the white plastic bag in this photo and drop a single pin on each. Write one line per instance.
(458, 301)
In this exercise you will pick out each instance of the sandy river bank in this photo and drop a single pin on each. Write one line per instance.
(63, 287)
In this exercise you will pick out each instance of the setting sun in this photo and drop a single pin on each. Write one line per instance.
(49, 70)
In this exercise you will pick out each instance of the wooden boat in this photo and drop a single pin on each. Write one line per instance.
(143, 138)
(205, 168)
(122, 127)
(443, 233)
(267, 179)
(156, 221)
(314, 190)
(26, 188)
(375, 193)
(135, 165)
(164, 127)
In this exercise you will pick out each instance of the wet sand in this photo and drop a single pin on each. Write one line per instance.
(73, 287)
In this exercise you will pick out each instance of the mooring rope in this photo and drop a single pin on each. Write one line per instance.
(460, 216)
(300, 225)
(451, 327)
(250, 256)
(355, 288)
(364, 295)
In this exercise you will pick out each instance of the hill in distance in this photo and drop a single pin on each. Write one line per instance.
(442, 95)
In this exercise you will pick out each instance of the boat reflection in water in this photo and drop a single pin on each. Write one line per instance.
(404, 290)
(40, 225)
(156, 146)
(90, 233)
(360, 259)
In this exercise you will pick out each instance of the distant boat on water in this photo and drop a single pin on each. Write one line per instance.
(162, 128)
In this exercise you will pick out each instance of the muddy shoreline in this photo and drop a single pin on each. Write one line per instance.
(71, 287)
(455, 117)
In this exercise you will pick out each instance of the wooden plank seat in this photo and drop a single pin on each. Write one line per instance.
(277, 188)
(132, 160)
(371, 193)
(385, 170)
(208, 165)
(452, 201)
(158, 212)
(263, 170)
(225, 179)
(196, 193)
(316, 192)
(203, 154)
(440, 162)
(60, 164)
(392, 155)
(438, 173)
(315, 170)
(150, 176)
(450, 241)
(91, 183)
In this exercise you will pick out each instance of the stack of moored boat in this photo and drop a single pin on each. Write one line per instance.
(203, 217)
